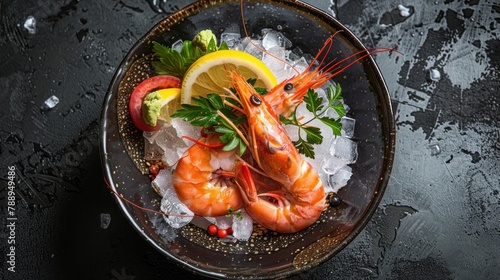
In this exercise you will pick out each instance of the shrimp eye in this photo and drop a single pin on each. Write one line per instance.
(288, 87)
(255, 100)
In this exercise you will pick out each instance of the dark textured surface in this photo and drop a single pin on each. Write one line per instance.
(440, 215)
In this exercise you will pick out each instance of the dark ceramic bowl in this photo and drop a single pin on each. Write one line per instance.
(269, 255)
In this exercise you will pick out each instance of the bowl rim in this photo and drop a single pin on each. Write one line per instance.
(389, 132)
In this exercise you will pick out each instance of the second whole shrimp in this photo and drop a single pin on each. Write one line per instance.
(203, 178)
(301, 198)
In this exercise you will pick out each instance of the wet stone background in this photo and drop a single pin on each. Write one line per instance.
(439, 219)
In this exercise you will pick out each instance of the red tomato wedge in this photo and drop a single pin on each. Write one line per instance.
(145, 87)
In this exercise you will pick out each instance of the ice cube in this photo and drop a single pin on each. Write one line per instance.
(348, 125)
(331, 165)
(253, 47)
(183, 128)
(179, 214)
(340, 178)
(264, 31)
(169, 139)
(50, 102)
(242, 226)
(150, 136)
(162, 181)
(272, 39)
(275, 58)
(105, 220)
(295, 54)
(152, 151)
(177, 45)
(231, 39)
(30, 24)
(300, 64)
(344, 149)
(287, 43)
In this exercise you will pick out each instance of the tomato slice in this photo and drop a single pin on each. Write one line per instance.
(145, 87)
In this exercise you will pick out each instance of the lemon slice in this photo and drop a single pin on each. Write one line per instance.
(163, 104)
(170, 104)
(208, 73)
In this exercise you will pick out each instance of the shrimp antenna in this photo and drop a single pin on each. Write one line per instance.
(120, 196)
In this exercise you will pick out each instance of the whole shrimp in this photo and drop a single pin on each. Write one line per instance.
(301, 198)
(203, 178)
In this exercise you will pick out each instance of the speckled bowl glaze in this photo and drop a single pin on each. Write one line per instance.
(267, 255)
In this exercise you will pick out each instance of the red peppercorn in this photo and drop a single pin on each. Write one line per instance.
(221, 233)
(212, 230)
(154, 169)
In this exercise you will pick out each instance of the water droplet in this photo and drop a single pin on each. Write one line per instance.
(434, 74)
(396, 15)
(105, 220)
(404, 11)
(50, 103)
(80, 35)
(30, 25)
(435, 149)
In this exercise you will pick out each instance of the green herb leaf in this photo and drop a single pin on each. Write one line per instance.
(314, 103)
(313, 134)
(172, 62)
(285, 121)
(334, 97)
(304, 147)
(205, 112)
(334, 124)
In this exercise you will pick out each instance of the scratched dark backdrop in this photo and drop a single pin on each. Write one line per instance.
(440, 217)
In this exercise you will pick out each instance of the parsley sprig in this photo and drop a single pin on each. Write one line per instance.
(175, 63)
(205, 112)
(314, 104)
